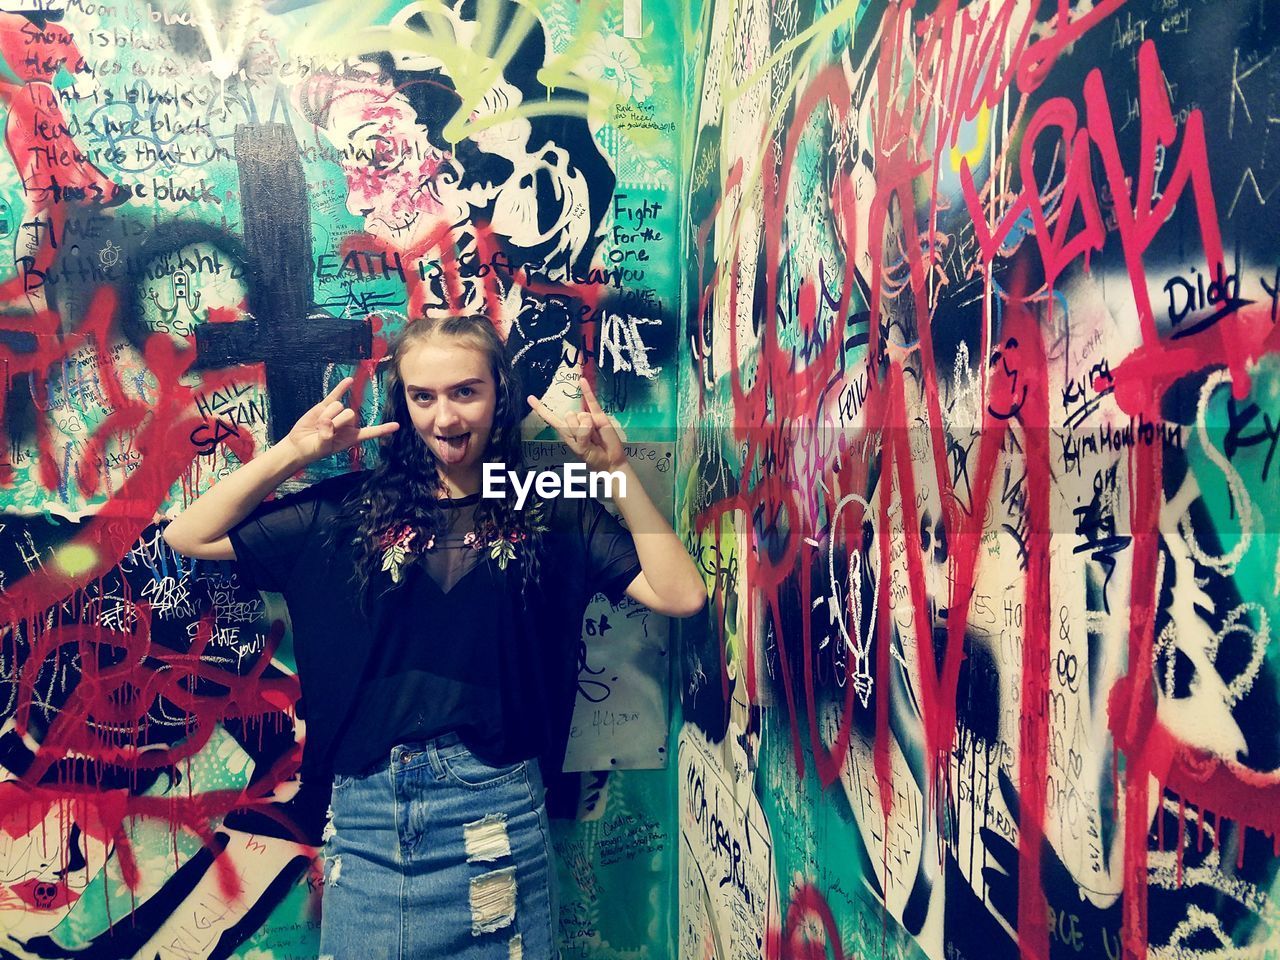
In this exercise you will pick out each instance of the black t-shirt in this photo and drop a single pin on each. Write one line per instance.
(445, 638)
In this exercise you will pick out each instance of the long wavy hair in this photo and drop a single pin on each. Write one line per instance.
(403, 490)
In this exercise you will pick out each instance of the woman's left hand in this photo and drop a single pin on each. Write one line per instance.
(590, 434)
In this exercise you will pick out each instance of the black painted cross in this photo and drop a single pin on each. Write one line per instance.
(294, 339)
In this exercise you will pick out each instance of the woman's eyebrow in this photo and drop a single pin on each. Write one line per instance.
(464, 383)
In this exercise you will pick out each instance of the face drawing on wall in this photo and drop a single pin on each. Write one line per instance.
(522, 196)
(529, 181)
(391, 167)
(404, 186)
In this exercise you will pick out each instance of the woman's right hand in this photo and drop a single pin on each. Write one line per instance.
(201, 529)
(330, 426)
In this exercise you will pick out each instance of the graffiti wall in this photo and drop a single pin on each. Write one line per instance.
(981, 347)
(210, 212)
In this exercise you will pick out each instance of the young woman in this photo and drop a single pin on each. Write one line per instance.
(436, 635)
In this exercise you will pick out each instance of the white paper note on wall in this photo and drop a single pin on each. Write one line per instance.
(621, 716)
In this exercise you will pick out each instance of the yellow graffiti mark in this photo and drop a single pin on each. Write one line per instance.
(837, 18)
(75, 559)
(716, 551)
(474, 54)
(981, 130)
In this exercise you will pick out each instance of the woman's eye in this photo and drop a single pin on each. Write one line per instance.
(465, 391)
(421, 397)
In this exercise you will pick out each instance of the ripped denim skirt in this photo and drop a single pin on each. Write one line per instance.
(436, 853)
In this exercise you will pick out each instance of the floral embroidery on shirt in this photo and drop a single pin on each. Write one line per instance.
(397, 548)
(503, 548)
(396, 551)
(504, 551)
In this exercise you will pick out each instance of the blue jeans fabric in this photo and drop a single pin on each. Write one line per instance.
(438, 854)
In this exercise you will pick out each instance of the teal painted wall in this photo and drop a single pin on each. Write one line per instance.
(980, 480)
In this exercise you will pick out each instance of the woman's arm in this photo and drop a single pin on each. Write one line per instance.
(201, 529)
(668, 582)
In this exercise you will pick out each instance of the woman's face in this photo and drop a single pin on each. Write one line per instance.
(451, 396)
